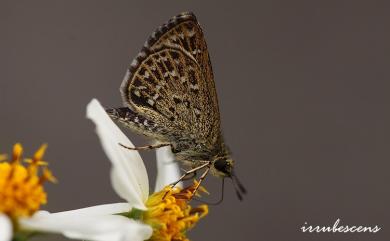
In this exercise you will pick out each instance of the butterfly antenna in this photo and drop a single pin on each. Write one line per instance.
(219, 201)
(240, 189)
(239, 184)
(238, 192)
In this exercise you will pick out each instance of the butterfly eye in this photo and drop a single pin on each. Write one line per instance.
(222, 165)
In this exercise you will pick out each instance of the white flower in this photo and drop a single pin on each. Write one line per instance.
(5, 228)
(130, 181)
(93, 223)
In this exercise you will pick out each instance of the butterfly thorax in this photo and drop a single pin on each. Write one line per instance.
(191, 150)
(195, 155)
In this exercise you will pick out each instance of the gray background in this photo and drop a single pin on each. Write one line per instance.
(304, 98)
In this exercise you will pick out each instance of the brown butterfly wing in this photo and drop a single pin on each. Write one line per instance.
(171, 83)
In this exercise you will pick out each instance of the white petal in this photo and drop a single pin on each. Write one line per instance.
(128, 175)
(94, 228)
(167, 168)
(5, 228)
(99, 210)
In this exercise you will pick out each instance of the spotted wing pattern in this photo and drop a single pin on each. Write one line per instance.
(134, 121)
(171, 83)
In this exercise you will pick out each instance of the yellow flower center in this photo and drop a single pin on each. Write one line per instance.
(171, 216)
(21, 187)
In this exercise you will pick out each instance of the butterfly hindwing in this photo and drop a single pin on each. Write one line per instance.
(135, 121)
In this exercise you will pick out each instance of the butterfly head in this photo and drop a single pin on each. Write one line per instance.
(223, 167)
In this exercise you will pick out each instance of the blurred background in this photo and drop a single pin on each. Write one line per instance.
(304, 97)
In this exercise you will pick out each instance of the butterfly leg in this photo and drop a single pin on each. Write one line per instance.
(207, 164)
(201, 180)
(148, 147)
(189, 172)
(190, 176)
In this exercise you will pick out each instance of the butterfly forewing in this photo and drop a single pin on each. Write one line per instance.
(171, 84)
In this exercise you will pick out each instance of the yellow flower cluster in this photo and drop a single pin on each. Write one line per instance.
(21, 186)
(170, 214)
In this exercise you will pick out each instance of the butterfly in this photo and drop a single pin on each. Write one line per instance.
(169, 96)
